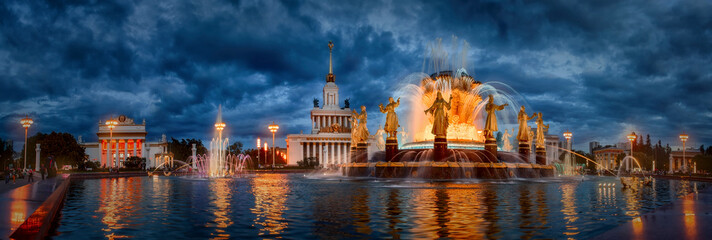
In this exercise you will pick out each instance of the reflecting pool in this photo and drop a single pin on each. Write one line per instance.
(298, 206)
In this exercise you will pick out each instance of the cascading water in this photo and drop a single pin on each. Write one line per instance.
(218, 163)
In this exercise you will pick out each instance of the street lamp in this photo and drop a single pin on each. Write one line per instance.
(683, 138)
(568, 136)
(111, 124)
(258, 151)
(265, 149)
(631, 138)
(26, 123)
(273, 129)
(219, 126)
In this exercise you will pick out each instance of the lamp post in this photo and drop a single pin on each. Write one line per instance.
(258, 151)
(683, 138)
(111, 124)
(631, 139)
(273, 129)
(219, 126)
(265, 149)
(26, 123)
(569, 165)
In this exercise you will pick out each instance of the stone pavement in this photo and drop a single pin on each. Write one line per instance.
(17, 204)
(687, 218)
(18, 183)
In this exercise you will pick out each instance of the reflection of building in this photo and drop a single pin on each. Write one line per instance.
(606, 157)
(676, 163)
(330, 138)
(129, 139)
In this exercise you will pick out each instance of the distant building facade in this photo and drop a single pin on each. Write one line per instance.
(679, 162)
(606, 157)
(329, 140)
(128, 140)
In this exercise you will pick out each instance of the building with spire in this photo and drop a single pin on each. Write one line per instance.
(329, 140)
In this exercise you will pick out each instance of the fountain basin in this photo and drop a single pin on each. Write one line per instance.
(447, 170)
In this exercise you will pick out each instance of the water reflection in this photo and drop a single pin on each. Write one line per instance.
(568, 199)
(117, 200)
(294, 207)
(360, 209)
(221, 195)
(393, 212)
(270, 191)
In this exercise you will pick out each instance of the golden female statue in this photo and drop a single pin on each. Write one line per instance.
(361, 130)
(540, 127)
(391, 118)
(354, 128)
(491, 123)
(523, 135)
(440, 122)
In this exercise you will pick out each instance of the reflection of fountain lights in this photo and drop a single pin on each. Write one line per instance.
(222, 191)
(568, 199)
(423, 201)
(118, 198)
(270, 191)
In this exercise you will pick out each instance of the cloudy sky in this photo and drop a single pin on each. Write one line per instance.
(600, 69)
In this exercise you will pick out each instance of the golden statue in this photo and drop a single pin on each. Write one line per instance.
(361, 131)
(440, 122)
(540, 127)
(523, 135)
(354, 128)
(391, 118)
(491, 123)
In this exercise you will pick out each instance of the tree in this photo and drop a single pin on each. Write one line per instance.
(61, 146)
(235, 148)
(702, 149)
(183, 149)
(135, 162)
(6, 153)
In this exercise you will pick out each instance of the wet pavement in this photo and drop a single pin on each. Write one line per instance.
(18, 203)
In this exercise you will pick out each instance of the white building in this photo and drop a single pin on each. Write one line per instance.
(128, 139)
(330, 138)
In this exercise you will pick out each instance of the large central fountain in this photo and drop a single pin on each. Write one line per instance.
(451, 123)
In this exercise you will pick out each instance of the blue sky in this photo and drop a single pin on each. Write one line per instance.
(600, 69)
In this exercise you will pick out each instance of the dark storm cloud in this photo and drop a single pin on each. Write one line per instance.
(599, 69)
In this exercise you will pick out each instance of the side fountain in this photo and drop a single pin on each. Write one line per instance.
(218, 163)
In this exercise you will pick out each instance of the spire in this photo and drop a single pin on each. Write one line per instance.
(330, 76)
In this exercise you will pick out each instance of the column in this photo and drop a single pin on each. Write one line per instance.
(338, 153)
(330, 150)
(134, 147)
(102, 148)
(126, 150)
(37, 157)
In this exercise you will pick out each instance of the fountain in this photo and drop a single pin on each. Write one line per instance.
(217, 163)
(461, 145)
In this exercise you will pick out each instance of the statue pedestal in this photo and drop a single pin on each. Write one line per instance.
(352, 154)
(541, 155)
(524, 151)
(491, 146)
(440, 148)
(391, 148)
(361, 153)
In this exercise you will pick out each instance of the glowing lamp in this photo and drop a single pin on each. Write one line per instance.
(567, 135)
(683, 137)
(273, 127)
(220, 126)
(26, 122)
